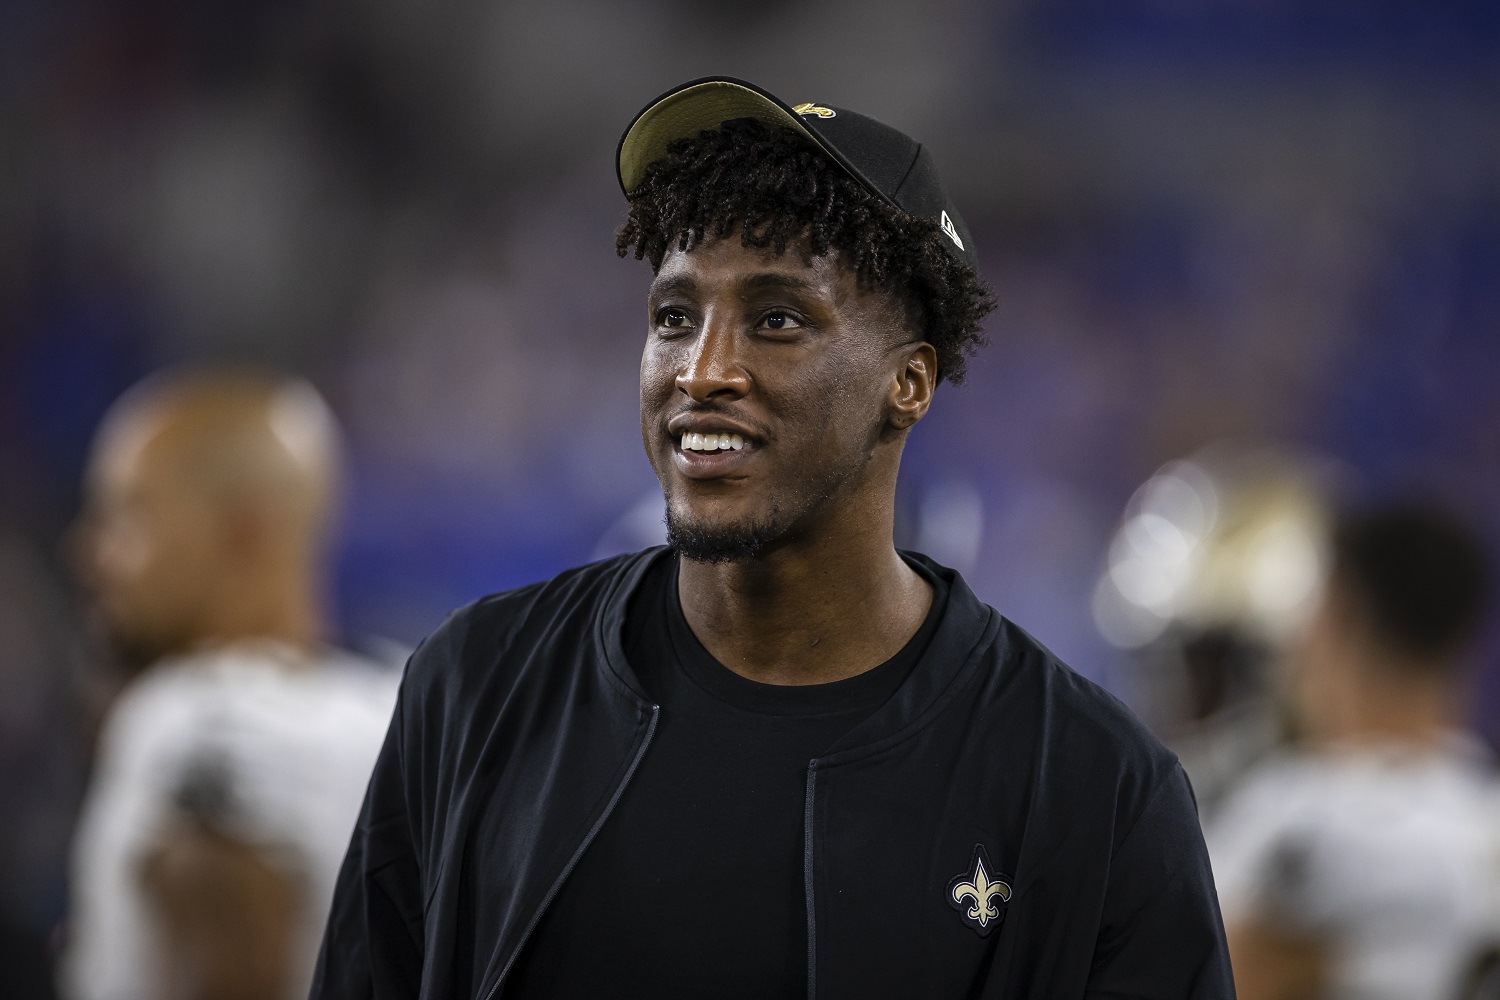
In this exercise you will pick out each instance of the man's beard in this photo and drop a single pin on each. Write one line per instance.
(729, 543)
(720, 543)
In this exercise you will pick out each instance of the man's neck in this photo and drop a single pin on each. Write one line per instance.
(285, 609)
(1393, 702)
(806, 614)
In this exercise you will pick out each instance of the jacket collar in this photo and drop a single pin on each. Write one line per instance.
(967, 628)
(609, 625)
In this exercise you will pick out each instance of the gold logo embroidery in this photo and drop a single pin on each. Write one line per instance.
(813, 109)
(983, 887)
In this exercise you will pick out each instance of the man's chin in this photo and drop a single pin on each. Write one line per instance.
(718, 543)
(132, 651)
(134, 656)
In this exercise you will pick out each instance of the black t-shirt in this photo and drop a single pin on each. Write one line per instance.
(694, 886)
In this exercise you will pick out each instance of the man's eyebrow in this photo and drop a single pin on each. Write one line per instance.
(776, 281)
(676, 284)
(682, 284)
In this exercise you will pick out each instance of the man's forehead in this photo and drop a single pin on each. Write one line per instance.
(726, 260)
(123, 445)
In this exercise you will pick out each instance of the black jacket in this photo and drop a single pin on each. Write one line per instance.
(520, 723)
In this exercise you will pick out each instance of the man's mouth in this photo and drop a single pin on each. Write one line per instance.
(711, 443)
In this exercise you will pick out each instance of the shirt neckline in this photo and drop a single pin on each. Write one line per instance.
(863, 692)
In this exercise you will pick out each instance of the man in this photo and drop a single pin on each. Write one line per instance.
(229, 770)
(777, 758)
(1367, 862)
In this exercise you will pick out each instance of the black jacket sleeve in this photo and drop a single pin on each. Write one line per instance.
(1161, 934)
(372, 948)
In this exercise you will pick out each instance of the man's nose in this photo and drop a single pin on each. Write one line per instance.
(713, 369)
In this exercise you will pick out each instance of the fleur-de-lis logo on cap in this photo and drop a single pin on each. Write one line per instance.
(813, 109)
(981, 884)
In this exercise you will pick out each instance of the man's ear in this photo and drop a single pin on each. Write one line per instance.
(913, 386)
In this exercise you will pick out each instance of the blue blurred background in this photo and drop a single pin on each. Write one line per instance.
(1263, 220)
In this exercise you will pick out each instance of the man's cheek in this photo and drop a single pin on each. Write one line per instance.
(124, 552)
(660, 363)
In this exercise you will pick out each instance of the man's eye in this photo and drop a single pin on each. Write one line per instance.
(777, 320)
(672, 317)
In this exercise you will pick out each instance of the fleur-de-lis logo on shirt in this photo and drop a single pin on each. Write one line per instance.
(975, 892)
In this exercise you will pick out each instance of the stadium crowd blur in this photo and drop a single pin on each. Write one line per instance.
(1260, 222)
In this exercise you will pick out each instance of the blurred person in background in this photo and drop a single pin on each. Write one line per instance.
(1366, 862)
(229, 771)
(1209, 583)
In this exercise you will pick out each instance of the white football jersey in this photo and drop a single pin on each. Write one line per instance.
(283, 744)
(1390, 853)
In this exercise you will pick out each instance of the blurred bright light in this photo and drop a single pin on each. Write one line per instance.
(1283, 568)
(1124, 625)
(1156, 553)
(1182, 494)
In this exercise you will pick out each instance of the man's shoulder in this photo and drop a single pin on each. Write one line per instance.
(1355, 787)
(166, 697)
(250, 672)
(562, 608)
(1024, 690)
(1030, 706)
(1083, 744)
(1074, 708)
(248, 689)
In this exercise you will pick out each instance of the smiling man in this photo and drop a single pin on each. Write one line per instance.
(777, 758)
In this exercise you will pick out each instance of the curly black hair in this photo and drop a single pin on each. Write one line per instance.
(778, 188)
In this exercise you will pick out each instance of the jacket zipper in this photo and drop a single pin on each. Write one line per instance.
(609, 807)
(807, 880)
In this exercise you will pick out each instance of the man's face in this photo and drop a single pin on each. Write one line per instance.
(1324, 670)
(144, 547)
(765, 395)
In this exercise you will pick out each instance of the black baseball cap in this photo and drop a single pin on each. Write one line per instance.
(889, 164)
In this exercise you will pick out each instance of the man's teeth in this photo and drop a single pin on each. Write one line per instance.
(693, 441)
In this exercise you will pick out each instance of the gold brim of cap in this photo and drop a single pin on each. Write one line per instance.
(687, 112)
